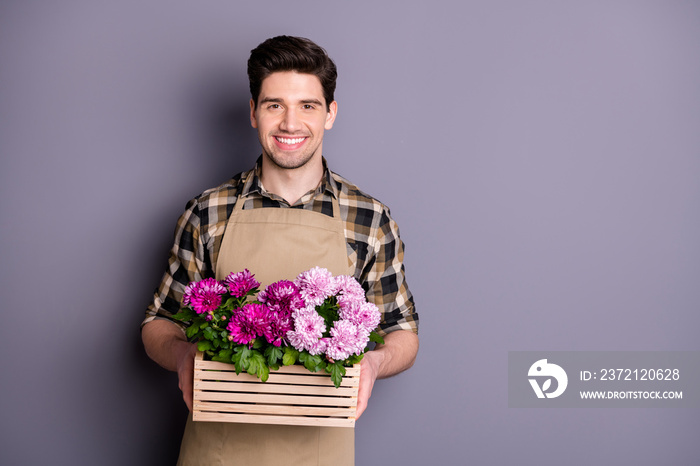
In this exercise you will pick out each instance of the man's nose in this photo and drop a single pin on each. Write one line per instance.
(290, 121)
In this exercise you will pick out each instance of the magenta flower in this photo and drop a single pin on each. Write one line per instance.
(316, 285)
(241, 283)
(248, 323)
(282, 296)
(204, 295)
(280, 324)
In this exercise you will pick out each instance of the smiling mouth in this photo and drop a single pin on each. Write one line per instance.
(289, 141)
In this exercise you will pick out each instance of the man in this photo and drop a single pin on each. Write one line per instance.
(288, 214)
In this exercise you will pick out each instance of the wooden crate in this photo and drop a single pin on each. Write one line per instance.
(292, 396)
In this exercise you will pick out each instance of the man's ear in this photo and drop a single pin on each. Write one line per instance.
(253, 120)
(330, 116)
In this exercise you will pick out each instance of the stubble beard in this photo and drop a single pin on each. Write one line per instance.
(289, 163)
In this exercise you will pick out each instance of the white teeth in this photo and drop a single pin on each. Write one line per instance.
(290, 141)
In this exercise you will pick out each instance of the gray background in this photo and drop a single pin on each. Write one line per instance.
(541, 158)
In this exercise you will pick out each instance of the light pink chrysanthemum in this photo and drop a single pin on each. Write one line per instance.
(347, 285)
(249, 322)
(204, 295)
(346, 339)
(365, 315)
(240, 283)
(316, 285)
(319, 346)
(308, 329)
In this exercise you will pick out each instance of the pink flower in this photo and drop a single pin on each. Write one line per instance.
(346, 339)
(319, 346)
(308, 329)
(365, 315)
(348, 287)
(241, 283)
(204, 295)
(249, 322)
(316, 285)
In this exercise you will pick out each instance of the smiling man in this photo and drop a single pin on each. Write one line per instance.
(286, 215)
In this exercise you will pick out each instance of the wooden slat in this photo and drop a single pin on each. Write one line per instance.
(315, 379)
(295, 369)
(274, 399)
(275, 388)
(284, 420)
(332, 411)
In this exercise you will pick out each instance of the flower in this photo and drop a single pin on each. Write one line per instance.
(365, 315)
(282, 296)
(348, 289)
(280, 324)
(308, 329)
(204, 296)
(241, 283)
(316, 285)
(249, 322)
(346, 339)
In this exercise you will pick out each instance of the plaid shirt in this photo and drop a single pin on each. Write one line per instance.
(372, 240)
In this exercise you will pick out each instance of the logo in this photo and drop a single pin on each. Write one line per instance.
(542, 370)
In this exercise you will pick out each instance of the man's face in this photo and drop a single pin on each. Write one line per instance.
(290, 117)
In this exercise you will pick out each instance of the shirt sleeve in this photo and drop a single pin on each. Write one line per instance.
(387, 283)
(186, 263)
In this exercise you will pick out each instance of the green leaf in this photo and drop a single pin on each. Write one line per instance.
(204, 345)
(253, 292)
(191, 332)
(337, 371)
(258, 343)
(376, 338)
(311, 362)
(291, 356)
(209, 333)
(185, 314)
(223, 356)
(236, 360)
(257, 365)
(273, 354)
(230, 303)
(354, 359)
(244, 356)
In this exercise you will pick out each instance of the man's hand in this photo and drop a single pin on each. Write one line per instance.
(369, 371)
(397, 354)
(185, 372)
(166, 344)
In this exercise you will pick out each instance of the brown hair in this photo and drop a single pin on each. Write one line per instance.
(287, 53)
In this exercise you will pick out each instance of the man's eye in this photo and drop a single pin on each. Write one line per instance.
(273, 106)
(308, 107)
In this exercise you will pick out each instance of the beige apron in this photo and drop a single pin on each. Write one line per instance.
(274, 244)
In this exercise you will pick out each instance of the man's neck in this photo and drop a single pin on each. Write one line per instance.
(291, 184)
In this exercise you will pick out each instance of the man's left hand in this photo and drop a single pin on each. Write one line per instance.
(397, 354)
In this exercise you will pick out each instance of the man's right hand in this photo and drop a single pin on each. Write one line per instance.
(185, 372)
(167, 345)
